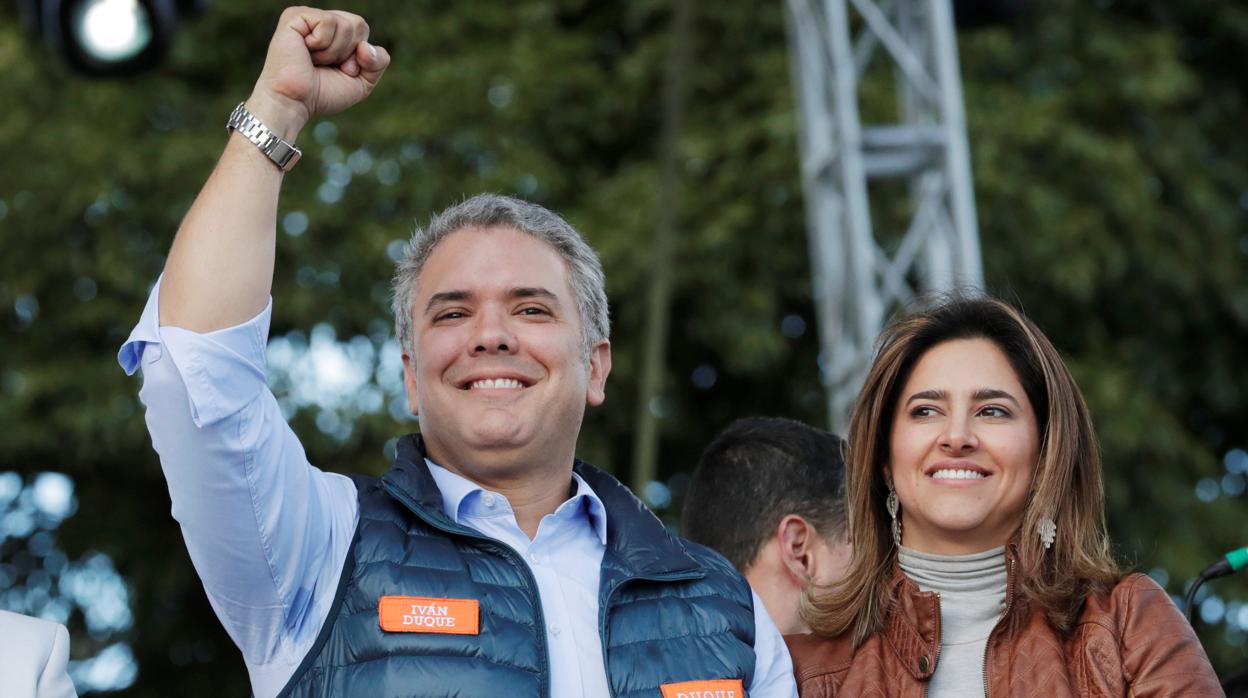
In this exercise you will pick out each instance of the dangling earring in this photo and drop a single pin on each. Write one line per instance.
(1048, 531)
(893, 507)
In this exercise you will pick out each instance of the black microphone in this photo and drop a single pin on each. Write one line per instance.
(1229, 563)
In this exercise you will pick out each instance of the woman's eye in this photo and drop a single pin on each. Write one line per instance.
(920, 412)
(994, 411)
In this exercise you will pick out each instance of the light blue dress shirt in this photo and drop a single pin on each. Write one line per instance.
(268, 532)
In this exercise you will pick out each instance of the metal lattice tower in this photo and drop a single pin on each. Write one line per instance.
(857, 282)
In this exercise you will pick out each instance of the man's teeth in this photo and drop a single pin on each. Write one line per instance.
(496, 384)
(957, 475)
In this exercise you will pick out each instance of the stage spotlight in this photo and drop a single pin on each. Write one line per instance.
(110, 37)
(107, 38)
(112, 30)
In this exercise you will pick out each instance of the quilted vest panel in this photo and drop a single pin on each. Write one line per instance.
(669, 610)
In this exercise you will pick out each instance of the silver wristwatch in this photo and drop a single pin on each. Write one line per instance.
(283, 154)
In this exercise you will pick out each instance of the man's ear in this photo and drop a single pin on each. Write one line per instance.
(409, 382)
(797, 538)
(599, 369)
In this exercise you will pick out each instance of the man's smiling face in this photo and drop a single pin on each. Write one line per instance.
(500, 380)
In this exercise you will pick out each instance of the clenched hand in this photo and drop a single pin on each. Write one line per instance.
(319, 63)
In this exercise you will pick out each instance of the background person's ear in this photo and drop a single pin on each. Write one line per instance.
(797, 538)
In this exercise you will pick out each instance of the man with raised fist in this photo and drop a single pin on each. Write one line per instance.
(488, 561)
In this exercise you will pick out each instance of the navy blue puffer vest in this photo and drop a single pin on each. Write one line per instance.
(669, 610)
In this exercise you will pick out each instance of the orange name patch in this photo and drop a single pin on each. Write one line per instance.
(717, 688)
(419, 614)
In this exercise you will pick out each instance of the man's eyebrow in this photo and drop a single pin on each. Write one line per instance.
(533, 292)
(447, 297)
(517, 292)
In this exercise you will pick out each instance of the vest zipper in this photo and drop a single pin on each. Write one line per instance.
(502, 548)
(604, 630)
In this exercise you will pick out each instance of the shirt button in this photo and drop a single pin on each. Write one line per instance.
(555, 630)
(488, 501)
(533, 557)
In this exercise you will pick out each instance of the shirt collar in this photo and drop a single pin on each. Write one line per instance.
(456, 490)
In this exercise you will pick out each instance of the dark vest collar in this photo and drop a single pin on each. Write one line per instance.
(635, 537)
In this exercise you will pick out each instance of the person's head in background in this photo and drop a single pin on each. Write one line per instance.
(768, 494)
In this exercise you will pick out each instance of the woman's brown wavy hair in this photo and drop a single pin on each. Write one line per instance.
(1066, 487)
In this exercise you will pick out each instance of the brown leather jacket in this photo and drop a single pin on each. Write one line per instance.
(1133, 642)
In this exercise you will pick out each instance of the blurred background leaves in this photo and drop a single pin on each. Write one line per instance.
(1109, 165)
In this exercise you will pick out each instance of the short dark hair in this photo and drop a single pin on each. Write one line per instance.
(756, 472)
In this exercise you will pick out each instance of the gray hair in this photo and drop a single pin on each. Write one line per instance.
(489, 210)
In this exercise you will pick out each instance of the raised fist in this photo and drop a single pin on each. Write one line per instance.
(319, 62)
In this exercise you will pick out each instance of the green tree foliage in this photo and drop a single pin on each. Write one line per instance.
(1108, 157)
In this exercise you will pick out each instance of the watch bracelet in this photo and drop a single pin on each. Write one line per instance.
(281, 153)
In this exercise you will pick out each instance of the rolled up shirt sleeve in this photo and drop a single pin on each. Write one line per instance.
(266, 531)
(773, 667)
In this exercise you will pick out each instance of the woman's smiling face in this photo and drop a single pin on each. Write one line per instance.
(963, 449)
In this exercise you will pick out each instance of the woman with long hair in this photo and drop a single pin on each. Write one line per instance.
(981, 563)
